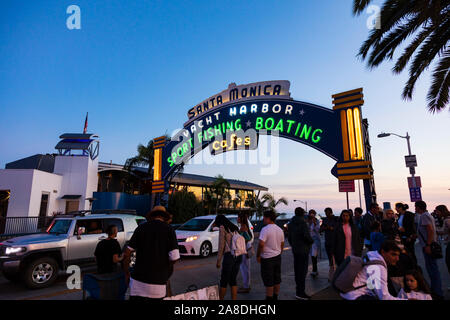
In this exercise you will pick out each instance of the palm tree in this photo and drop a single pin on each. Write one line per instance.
(272, 203)
(236, 201)
(219, 190)
(257, 204)
(144, 158)
(209, 200)
(427, 25)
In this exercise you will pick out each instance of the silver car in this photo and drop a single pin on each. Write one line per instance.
(70, 240)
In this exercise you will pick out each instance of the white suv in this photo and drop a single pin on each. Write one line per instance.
(197, 238)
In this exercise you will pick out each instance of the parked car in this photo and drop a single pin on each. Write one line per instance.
(197, 237)
(70, 240)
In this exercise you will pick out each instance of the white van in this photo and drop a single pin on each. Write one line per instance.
(196, 237)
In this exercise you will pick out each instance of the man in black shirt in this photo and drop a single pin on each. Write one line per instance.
(329, 226)
(156, 249)
(108, 252)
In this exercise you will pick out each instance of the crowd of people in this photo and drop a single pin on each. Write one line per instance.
(379, 244)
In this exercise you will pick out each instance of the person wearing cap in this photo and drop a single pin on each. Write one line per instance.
(156, 247)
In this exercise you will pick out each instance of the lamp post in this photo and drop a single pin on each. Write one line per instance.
(407, 137)
(305, 202)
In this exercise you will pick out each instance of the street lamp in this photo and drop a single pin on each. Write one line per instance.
(305, 202)
(407, 137)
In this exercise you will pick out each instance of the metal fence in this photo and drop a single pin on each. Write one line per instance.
(15, 226)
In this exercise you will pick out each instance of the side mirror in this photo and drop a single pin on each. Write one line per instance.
(80, 231)
(214, 229)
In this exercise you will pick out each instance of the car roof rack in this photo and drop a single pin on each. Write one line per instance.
(82, 213)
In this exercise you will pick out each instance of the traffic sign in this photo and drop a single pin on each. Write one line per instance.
(411, 161)
(418, 182)
(412, 170)
(415, 194)
(347, 186)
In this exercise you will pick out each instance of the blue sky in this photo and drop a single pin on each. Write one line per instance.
(138, 66)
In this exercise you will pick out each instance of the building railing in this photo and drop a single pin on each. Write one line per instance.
(16, 226)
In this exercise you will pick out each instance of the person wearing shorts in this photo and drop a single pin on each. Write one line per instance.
(270, 247)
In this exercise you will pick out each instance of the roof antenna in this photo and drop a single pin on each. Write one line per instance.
(85, 123)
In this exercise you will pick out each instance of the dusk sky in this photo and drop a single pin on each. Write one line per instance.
(138, 66)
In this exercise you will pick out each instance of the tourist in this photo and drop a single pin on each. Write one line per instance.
(397, 272)
(376, 236)
(230, 263)
(300, 241)
(368, 219)
(156, 249)
(108, 252)
(389, 226)
(314, 230)
(245, 231)
(442, 211)
(357, 221)
(270, 247)
(357, 218)
(407, 229)
(426, 231)
(329, 226)
(168, 219)
(415, 287)
(347, 241)
(371, 283)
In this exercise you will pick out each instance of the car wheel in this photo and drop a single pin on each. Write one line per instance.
(205, 249)
(12, 277)
(40, 273)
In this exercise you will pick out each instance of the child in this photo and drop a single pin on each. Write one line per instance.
(415, 287)
(376, 237)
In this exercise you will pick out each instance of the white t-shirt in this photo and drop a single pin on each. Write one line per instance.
(273, 236)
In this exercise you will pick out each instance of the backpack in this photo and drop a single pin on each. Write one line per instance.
(238, 245)
(345, 274)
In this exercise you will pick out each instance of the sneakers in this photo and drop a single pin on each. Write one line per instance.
(303, 296)
(314, 274)
(244, 290)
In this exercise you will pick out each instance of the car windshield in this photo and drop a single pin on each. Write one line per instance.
(196, 225)
(60, 226)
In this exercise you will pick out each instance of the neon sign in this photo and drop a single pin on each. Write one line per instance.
(234, 119)
(298, 121)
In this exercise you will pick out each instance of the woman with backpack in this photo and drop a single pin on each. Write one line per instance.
(245, 231)
(347, 241)
(230, 264)
(314, 230)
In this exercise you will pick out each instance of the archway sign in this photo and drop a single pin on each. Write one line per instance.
(234, 118)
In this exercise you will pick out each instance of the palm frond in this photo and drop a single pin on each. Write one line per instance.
(438, 95)
(360, 5)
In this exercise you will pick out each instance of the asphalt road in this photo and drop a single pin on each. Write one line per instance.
(201, 272)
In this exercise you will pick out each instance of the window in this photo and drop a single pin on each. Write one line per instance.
(116, 222)
(92, 226)
(234, 221)
(60, 226)
(196, 225)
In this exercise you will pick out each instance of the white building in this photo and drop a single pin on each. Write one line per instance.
(43, 185)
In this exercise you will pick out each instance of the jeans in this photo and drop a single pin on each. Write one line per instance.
(435, 276)
(447, 256)
(329, 250)
(245, 272)
(301, 270)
